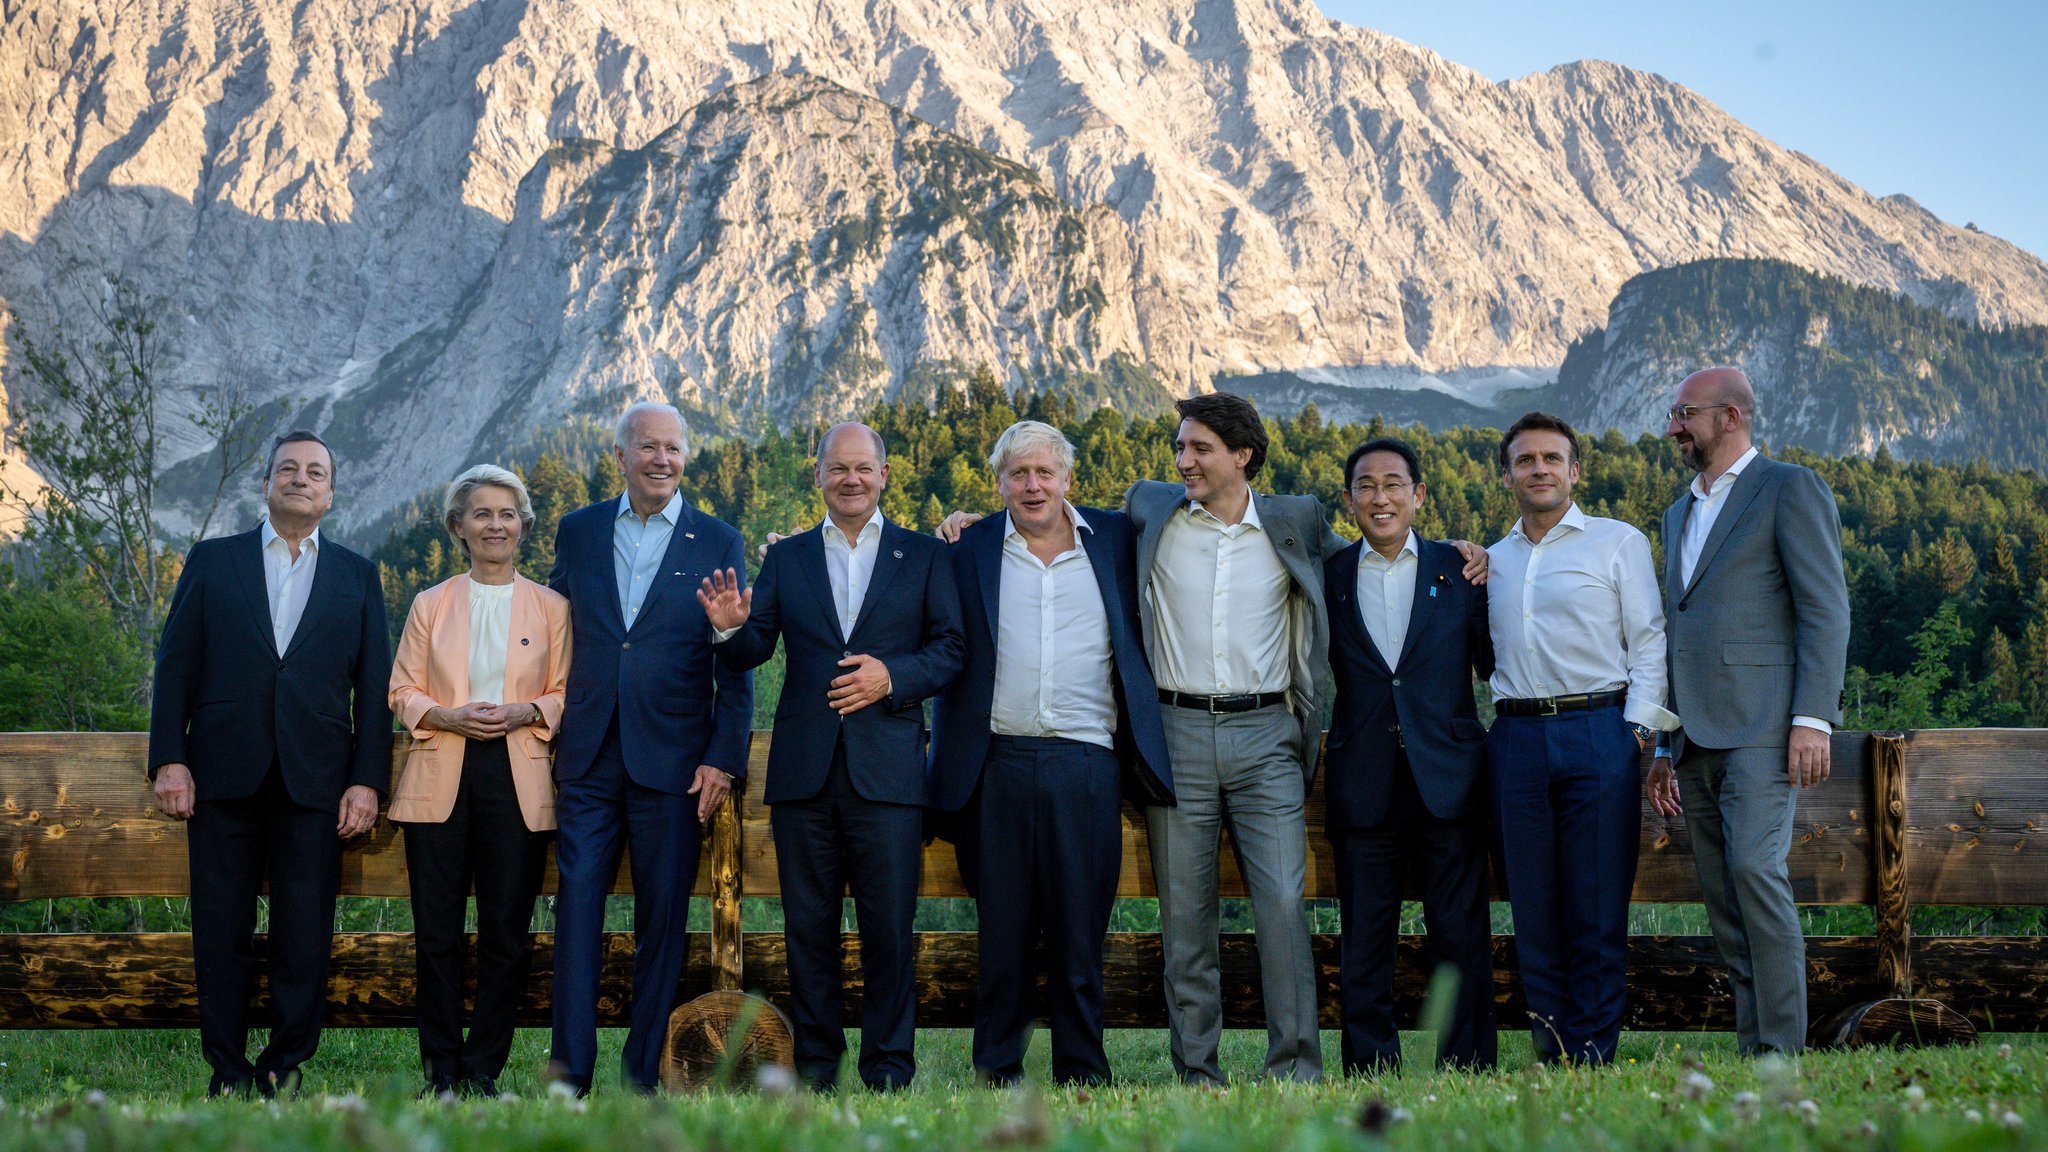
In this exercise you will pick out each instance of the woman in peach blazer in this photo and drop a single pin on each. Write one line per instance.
(479, 682)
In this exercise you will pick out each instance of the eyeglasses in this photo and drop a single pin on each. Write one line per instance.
(1683, 412)
(1368, 491)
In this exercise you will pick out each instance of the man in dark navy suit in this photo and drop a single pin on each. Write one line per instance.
(653, 736)
(1405, 762)
(1057, 705)
(870, 624)
(270, 734)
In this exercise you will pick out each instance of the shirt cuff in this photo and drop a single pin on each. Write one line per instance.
(721, 635)
(1663, 751)
(1649, 715)
(1815, 723)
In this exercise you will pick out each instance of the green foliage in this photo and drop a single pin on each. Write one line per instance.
(64, 664)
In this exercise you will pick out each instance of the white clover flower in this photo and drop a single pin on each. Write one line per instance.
(1746, 1105)
(2011, 1120)
(1973, 1116)
(1916, 1098)
(2004, 1053)
(1809, 1112)
(1695, 1085)
(561, 1090)
(1401, 1116)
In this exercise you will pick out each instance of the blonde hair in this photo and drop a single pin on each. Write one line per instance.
(456, 504)
(1029, 436)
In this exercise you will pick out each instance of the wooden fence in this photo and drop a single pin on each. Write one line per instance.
(1968, 814)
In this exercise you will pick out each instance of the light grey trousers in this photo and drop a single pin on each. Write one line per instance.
(1738, 806)
(1242, 771)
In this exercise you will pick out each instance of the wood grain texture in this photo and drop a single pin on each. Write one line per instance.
(77, 819)
(1888, 858)
(1676, 983)
(1977, 830)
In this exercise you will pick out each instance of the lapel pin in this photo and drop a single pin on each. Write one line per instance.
(1290, 541)
(522, 641)
(1432, 591)
(689, 535)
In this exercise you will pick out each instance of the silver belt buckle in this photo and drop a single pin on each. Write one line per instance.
(1547, 707)
(1213, 710)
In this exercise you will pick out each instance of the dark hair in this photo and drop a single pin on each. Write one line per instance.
(1539, 422)
(301, 436)
(1233, 419)
(1392, 444)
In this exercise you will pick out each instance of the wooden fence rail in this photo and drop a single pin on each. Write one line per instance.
(76, 819)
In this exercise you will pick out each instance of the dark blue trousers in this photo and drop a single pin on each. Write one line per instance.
(597, 815)
(824, 846)
(1048, 832)
(1568, 794)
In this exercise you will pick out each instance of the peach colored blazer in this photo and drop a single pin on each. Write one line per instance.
(432, 669)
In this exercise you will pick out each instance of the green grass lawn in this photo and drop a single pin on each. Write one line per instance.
(120, 1090)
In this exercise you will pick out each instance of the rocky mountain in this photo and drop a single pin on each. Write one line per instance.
(1842, 370)
(368, 208)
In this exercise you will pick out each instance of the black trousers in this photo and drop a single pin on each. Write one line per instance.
(484, 841)
(825, 845)
(1449, 856)
(233, 846)
(1048, 834)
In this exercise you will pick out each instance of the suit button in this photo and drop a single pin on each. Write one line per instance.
(626, 647)
(848, 655)
(1681, 605)
(1397, 681)
(1393, 727)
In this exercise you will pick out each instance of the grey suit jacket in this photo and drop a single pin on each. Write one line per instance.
(1300, 532)
(1761, 634)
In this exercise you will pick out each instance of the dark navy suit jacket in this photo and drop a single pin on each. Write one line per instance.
(227, 702)
(678, 706)
(961, 717)
(1427, 694)
(909, 620)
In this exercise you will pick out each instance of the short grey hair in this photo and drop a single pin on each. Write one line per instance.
(641, 408)
(1029, 436)
(456, 504)
(881, 445)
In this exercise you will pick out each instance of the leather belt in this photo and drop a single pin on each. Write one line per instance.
(1552, 705)
(1217, 705)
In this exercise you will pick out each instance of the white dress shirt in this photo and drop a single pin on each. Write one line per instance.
(1219, 601)
(637, 550)
(288, 582)
(1579, 612)
(850, 565)
(490, 632)
(1699, 524)
(1053, 663)
(1386, 596)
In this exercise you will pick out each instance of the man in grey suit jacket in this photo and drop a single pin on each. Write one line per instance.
(1756, 610)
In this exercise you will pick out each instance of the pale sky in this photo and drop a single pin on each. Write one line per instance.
(1945, 103)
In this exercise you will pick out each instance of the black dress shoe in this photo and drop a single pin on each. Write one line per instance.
(439, 1086)
(478, 1084)
(218, 1088)
(283, 1084)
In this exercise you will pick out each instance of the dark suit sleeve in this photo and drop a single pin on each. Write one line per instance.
(1810, 547)
(558, 575)
(732, 719)
(1478, 631)
(943, 650)
(178, 654)
(754, 643)
(372, 683)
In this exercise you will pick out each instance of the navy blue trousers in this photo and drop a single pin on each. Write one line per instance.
(597, 815)
(1048, 836)
(1568, 795)
(824, 846)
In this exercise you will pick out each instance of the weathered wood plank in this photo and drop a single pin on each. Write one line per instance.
(1675, 982)
(1978, 829)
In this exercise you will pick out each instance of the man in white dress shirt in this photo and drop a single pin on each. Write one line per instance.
(1053, 721)
(1759, 616)
(870, 626)
(1579, 692)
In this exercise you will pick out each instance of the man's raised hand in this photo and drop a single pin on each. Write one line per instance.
(726, 604)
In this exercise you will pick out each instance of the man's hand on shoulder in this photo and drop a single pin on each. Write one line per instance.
(175, 792)
(775, 538)
(1807, 754)
(1476, 561)
(955, 523)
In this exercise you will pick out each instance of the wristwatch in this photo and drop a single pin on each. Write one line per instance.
(1645, 735)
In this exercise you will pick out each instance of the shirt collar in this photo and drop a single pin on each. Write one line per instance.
(1367, 553)
(671, 511)
(1251, 513)
(270, 537)
(868, 531)
(1574, 518)
(1726, 478)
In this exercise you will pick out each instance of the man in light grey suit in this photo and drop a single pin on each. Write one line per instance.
(1230, 596)
(1756, 611)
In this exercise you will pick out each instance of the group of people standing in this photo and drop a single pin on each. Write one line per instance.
(1172, 653)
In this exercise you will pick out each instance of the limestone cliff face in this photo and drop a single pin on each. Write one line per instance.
(336, 195)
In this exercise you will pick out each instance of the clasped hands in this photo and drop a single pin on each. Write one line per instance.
(727, 606)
